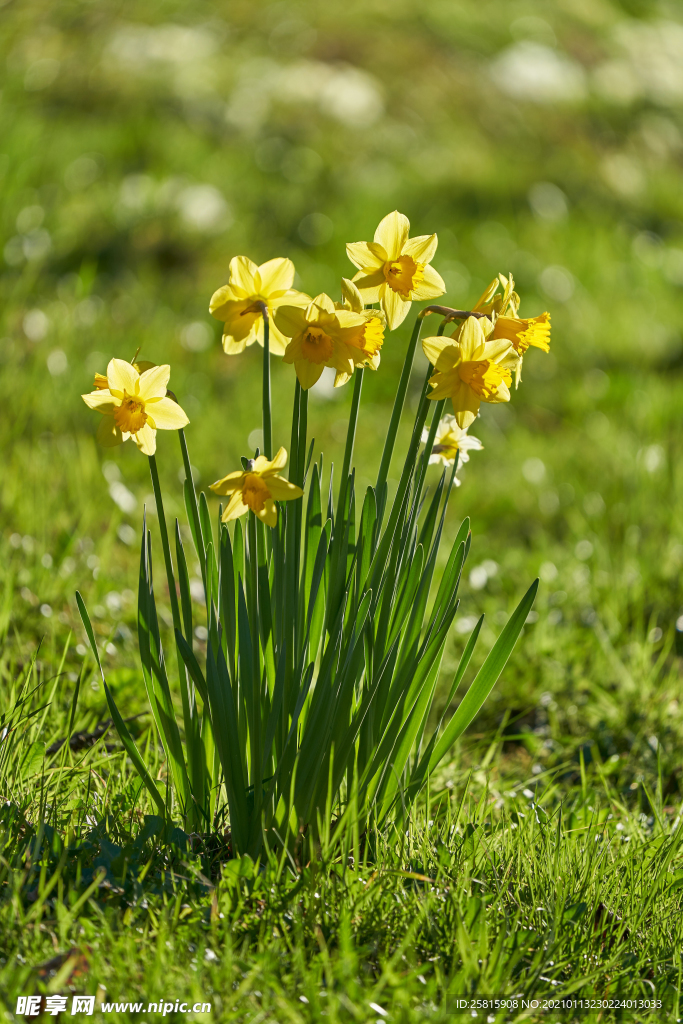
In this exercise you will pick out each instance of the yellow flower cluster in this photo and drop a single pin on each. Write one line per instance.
(475, 364)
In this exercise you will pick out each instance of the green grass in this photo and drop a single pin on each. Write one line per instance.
(98, 151)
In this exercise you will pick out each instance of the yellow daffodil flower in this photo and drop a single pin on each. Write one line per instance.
(394, 269)
(101, 381)
(321, 336)
(237, 303)
(503, 307)
(369, 336)
(135, 405)
(448, 441)
(470, 369)
(257, 488)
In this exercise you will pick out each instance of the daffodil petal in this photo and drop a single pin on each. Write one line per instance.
(122, 376)
(243, 275)
(276, 276)
(167, 415)
(283, 490)
(441, 352)
(392, 234)
(228, 484)
(153, 383)
(371, 286)
(395, 307)
(108, 434)
(279, 460)
(363, 257)
(277, 340)
(268, 514)
(235, 508)
(347, 318)
(351, 297)
(465, 405)
(146, 439)
(323, 301)
(430, 287)
(471, 339)
(290, 320)
(422, 248)
(102, 400)
(308, 373)
(221, 301)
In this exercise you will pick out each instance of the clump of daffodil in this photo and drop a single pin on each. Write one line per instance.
(470, 368)
(394, 269)
(521, 332)
(257, 488)
(239, 304)
(135, 405)
(321, 336)
(100, 382)
(368, 337)
(450, 441)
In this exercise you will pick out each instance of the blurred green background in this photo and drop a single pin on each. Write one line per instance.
(143, 145)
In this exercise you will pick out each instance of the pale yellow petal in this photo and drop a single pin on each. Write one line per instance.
(268, 514)
(235, 508)
(441, 352)
(102, 400)
(371, 286)
(342, 377)
(275, 276)
(122, 377)
(153, 383)
(235, 346)
(222, 300)
(465, 405)
(430, 287)
(290, 320)
(283, 490)
(108, 434)
(501, 351)
(395, 307)
(363, 257)
(421, 248)
(392, 234)
(279, 460)
(167, 414)
(346, 318)
(289, 298)
(228, 484)
(471, 339)
(323, 301)
(243, 276)
(278, 341)
(146, 439)
(308, 373)
(351, 297)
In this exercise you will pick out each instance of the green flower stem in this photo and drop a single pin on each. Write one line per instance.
(398, 409)
(255, 724)
(185, 683)
(164, 541)
(193, 507)
(350, 439)
(267, 418)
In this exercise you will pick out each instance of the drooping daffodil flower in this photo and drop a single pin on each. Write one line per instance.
(394, 269)
(450, 441)
(135, 405)
(257, 488)
(239, 304)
